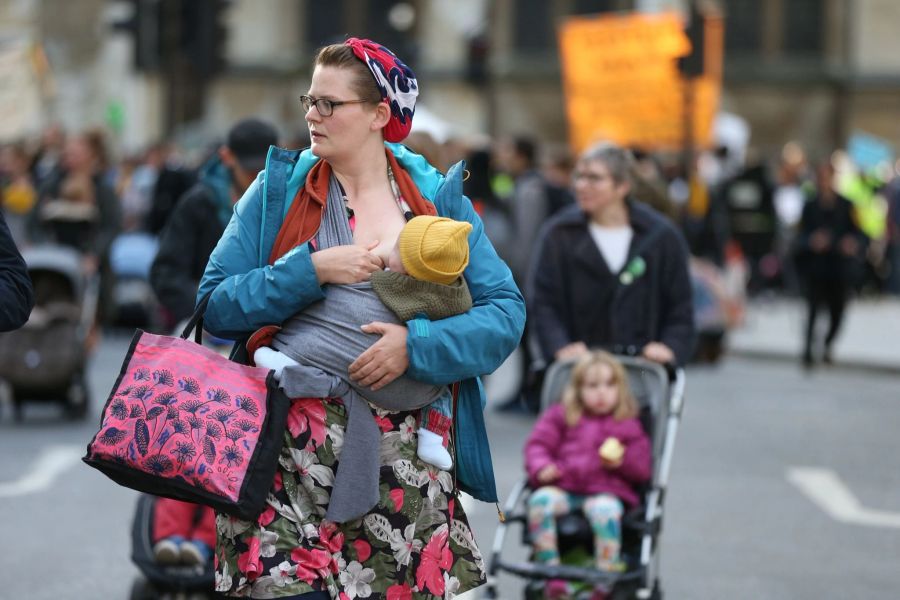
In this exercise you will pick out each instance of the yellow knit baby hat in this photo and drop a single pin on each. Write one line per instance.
(435, 249)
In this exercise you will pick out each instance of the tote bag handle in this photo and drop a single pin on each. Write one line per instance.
(196, 321)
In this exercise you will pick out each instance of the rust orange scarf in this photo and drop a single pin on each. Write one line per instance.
(305, 214)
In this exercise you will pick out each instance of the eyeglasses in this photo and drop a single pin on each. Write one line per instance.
(324, 105)
(588, 177)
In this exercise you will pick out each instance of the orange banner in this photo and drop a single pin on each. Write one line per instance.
(621, 81)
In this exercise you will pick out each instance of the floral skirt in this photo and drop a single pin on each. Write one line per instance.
(416, 543)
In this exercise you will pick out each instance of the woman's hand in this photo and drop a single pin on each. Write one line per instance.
(573, 350)
(346, 264)
(548, 474)
(658, 352)
(385, 360)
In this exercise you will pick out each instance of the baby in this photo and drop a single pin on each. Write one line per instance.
(424, 278)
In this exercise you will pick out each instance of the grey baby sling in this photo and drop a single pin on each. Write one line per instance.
(325, 338)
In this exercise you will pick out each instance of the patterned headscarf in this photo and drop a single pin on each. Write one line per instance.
(395, 80)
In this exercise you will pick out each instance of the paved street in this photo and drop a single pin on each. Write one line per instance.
(738, 525)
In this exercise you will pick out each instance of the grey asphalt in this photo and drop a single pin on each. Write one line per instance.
(734, 528)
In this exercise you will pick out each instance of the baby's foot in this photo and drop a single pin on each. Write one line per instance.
(431, 450)
(268, 358)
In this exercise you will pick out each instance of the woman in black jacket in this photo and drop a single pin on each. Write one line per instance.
(611, 271)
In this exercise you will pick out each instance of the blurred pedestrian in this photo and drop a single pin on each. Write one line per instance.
(17, 192)
(611, 272)
(748, 198)
(200, 217)
(529, 204)
(830, 251)
(16, 293)
(47, 162)
(171, 182)
(76, 207)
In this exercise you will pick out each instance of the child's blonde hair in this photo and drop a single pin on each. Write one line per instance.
(625, 408)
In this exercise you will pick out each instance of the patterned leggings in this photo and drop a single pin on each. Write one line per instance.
(603, 511)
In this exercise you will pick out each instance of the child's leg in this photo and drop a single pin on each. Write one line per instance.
(199, 547)
(604, 511)
(433, 430)
(544, 505)
(172, 518)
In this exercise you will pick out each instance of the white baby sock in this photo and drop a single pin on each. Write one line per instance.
(431, 450)
(272, 359)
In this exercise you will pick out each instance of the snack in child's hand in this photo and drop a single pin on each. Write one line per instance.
(612, 450)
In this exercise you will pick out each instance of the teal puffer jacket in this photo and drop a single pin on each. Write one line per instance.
(248, 293)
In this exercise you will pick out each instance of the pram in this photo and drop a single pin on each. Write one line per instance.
(133, 300)
(159, 581)
(660, 398)
(47, 358)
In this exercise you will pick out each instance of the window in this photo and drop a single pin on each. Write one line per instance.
(803, 27)
(324, 23)
(743, 19)
(587, 7)
(533, 26)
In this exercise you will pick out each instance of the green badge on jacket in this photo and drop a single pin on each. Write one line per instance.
(633, 270)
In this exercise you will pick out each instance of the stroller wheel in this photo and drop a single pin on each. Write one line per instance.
(78, 398)
(142, 589)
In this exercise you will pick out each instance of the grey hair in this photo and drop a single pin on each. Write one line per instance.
(618, 161)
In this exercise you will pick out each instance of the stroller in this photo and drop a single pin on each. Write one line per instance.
(47, 358)
(134, 303)
(160, 581)
(660, 398)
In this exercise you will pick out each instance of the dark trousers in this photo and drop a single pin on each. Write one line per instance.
(829, 293)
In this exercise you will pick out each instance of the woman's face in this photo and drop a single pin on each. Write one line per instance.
(78, 155)
(349, 126)
(595, 189)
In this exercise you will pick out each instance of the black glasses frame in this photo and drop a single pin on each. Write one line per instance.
(324, 106)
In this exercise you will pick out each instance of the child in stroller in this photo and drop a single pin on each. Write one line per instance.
(658, 392)
(171, 543)
(587, 453)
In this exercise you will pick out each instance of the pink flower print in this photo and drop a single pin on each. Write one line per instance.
(278, 485)
(363, 550)
(266, 517)
(331, 538)
(396, 496)
(436, 557)
(399, 592)
(248, 562)
(384, 424)
(311, 564)
(307, 414)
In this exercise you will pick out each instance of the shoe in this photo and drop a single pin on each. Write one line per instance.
(431, 450)
(194, 552)
(166, 551)
(827, 358)
(556, 589)
(807, 361)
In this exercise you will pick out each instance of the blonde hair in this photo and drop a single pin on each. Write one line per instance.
(625, 408)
